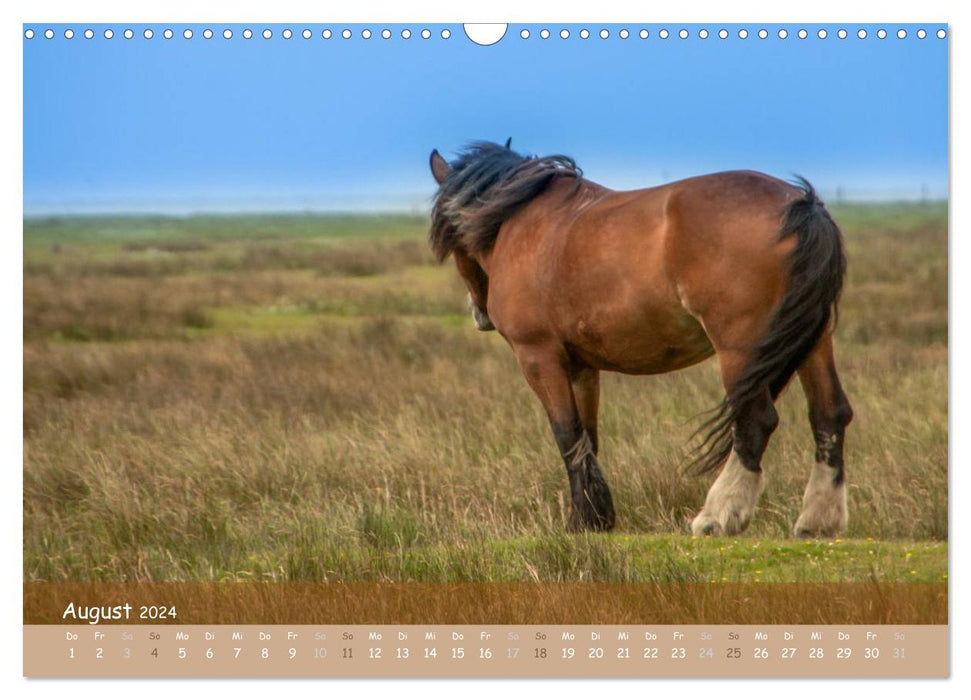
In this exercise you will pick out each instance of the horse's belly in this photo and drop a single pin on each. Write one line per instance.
(649, 346)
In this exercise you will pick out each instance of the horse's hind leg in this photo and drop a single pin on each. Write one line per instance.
(824, 502)
(732, 499)
(547, 371)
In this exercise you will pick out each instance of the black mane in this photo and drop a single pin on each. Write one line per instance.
(487, 185)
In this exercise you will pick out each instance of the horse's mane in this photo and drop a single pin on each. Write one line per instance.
(487, 185)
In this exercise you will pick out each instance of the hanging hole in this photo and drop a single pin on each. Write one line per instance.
(485, 34)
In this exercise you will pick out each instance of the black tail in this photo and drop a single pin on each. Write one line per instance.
(817, 268)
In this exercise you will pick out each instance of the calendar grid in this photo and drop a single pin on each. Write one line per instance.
(486, 650)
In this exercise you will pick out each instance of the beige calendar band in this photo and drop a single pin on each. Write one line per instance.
(486, 651)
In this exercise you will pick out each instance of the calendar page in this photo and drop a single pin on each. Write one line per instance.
(513, 350)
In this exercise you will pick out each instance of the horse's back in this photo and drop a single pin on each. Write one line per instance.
(696, 237)
(733, 213)
(620, 278)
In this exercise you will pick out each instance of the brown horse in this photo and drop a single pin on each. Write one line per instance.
(579, 278)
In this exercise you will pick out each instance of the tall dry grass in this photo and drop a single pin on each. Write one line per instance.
(346, 422)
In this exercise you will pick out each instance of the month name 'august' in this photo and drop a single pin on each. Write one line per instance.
(97, 613)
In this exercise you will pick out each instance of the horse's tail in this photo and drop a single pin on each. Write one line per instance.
(817, 268)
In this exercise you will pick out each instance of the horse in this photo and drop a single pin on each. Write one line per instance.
(579, 279)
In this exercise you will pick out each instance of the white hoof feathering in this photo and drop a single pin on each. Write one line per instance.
(823, 505)
(731, 501)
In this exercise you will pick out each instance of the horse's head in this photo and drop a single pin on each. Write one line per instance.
(476, 280)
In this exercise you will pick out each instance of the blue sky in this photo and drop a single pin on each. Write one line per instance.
(346, 125)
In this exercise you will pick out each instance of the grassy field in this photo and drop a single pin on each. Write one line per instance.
(305, 398)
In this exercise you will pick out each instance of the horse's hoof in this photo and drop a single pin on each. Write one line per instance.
(705, 526)
(809, 532)
(730, 503)
(726, 524)
(593, 507)
(595, 524)
(823, 506)
(591, 521)
(605, 524)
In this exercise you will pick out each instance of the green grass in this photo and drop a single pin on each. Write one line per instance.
(305, 398)
(95, 230)
(393, 547)
(893, 216)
